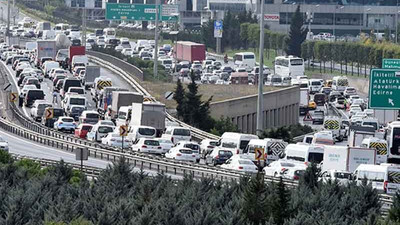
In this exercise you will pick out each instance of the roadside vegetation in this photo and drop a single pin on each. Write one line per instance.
(52, 196)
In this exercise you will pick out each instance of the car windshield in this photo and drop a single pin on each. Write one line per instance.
(229, 145)
(105, 129)
(68, 120)
(225, 153)
(88, 128)
(92, 115)
(296, 62)
(165, 141)
(77, 101)
(146, 131)
(77, 109)
(77, 90)
(152, 142)
(182, 132)
(315, 157)
(186, 151)
(192, 146)
(343, 175)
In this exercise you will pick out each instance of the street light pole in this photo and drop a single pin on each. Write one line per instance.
(397, 17)
(260, 98)
(8, 22)
(155, 66)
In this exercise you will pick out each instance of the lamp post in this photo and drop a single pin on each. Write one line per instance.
(397, 17)
(334, 21)
(260, 99)
(310, 19)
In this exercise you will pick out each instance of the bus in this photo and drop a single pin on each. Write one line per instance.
(245, 60)
(339, 83)
(109, 33)
(289, 66)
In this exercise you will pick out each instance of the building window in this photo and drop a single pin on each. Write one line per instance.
(98, 3)
(125, 1)
(73, 3)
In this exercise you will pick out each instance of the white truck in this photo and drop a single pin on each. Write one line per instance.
(334, 124)
(339, 83)
(385, 116)
(45, 49)
(91, 73)
(150, 114)
(344, 158)
(274, 149)
(304, 98)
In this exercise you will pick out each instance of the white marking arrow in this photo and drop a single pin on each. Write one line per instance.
(391, 101)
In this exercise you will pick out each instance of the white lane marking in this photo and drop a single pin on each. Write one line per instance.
(93, 160)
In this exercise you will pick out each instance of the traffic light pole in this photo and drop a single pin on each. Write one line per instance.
(260, 98)
(155, 66)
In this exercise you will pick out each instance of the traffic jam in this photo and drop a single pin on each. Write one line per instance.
(58, 87)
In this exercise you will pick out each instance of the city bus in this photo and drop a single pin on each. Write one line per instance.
(289, 66)
(245, 60)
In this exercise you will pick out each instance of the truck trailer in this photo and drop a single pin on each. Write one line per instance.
(190, 51)
(45, 48)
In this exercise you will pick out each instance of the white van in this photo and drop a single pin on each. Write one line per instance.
(380, 145)
(136, 132)
(177, 134)
(274, 148)
(304, 153)
(235, 142)
(384, 177)
(49, 35)
(79, 59)
(324, 137)
(73, 100)
(315, 85)
(245, 60)
(48, 65)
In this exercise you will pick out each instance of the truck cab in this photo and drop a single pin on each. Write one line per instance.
(380, 145)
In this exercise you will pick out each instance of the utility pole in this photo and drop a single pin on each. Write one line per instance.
(8, 22)
(155, 68)
(84, 26)
(13, 9)
(260, 99)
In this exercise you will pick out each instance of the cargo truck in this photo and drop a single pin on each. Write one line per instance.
(105, 98)
(304, 98)
(189, 51)
(148, 113)
(45, 49)
(91, 73)
(73, 51)
(123, 98)
(385, 116)
(344, 158)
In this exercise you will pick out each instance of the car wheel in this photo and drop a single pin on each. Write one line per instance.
(214, 163)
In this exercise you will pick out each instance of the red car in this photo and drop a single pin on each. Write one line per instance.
(82, 130)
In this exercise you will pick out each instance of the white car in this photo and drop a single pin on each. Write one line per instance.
(115, 140)
(361, 114)
(192, 145)
(352, 98)
(3, 144)
(343, 177)
(277, 168)
(369, 112)
(354, 109)
(294, 173)
(165, 144)
(207, 146)
(147, 145)
(182, 154)
(127, 51)
(65, 123)
(28, 87)
(240, 163)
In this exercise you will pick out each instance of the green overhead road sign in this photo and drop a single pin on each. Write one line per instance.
(390, 63)
(147, 12)
(384, 89)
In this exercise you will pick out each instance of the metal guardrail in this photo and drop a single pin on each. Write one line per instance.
(89, 171)
(196, 133)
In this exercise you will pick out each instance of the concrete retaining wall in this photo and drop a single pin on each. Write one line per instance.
(281, 108)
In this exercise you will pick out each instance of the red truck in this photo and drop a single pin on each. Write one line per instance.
(190, 51)
(75, 50)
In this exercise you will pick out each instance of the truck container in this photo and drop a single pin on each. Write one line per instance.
(344, 158)
(304, 97)
(385, 116)
(45, 48)
(190, 51)
(31, 45)
(124, 98)
(148, 114)
(105, 98)
(75, 50)
(91, 73)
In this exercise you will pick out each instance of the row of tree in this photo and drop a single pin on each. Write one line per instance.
(361, 55)
(59, 195)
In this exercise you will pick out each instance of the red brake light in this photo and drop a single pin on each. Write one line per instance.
(283, 169)
(240, 167)
(385, 186)
(217, 157)
(172, 139)
(210, 146)
(193, 155)
(159, 147)
(178, 154)
(112, 139)
(296, 177)
(61, 123)
(144, 146)
(237, 151)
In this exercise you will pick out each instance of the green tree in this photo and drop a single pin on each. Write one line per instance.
(281, 204)
(394, 212)
(223, 125)
(297, 34)
(179, 97)
(310, 178)
(255, 201)
(5, 157)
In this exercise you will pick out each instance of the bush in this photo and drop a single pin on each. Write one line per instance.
(287, 133)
